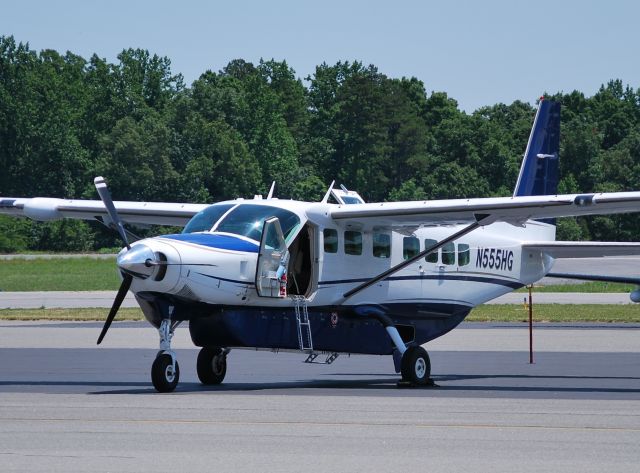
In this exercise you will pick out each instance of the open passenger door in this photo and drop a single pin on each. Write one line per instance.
(271, 279)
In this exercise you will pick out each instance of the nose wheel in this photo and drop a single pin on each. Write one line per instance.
(165, 371)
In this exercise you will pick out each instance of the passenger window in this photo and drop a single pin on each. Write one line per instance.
(410, 247)
(353, 243)
(449, 253)
(330, 240)
(464, 255)
(381, 245)
(431, 257)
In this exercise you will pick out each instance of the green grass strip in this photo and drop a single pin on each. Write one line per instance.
(69, 314)
(59, 274)
(627, 313)
(591, 286)
(604, 313)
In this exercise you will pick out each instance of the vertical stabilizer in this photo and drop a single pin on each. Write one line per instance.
(539, 170)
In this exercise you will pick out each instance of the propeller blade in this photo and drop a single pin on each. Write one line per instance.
(122, 292)
(105, 196)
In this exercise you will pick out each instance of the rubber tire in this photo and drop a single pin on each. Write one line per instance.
(415, 365)
(211, 365)
(159, 378)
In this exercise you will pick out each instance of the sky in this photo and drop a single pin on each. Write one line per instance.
(479, 52)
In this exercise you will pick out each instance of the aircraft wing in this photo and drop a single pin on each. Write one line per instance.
(146, 213)
(583, 249)
(515, 210)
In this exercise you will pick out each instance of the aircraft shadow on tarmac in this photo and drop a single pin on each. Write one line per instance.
(444, 383)
(498, 384)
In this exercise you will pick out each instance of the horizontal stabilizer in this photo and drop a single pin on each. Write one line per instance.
(595, 277)
(583, 249)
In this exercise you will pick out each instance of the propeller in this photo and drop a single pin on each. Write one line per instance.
(122, 292)
(105, 196)
(138, 262)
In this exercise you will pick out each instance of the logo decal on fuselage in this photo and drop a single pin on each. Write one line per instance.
(494, 258)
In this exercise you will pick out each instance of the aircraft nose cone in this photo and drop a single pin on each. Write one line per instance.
(138, 261)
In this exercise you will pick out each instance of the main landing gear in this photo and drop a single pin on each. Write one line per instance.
(212, 365)
(415, 364)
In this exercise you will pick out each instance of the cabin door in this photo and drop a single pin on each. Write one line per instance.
(273, 259)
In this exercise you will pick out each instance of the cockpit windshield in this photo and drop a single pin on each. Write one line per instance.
(248, 219)
(203, 221)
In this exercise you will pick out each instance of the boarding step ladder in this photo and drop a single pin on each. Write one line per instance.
(304, 325)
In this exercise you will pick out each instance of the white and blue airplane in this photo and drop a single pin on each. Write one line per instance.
(338, 276)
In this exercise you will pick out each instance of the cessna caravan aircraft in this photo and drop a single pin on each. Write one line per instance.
(338, 276)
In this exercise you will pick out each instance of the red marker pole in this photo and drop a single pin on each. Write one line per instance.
(530, 326)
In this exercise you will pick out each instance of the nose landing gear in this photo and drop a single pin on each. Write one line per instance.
(165, 371)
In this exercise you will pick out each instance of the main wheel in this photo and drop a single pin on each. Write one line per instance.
(416, 365)
(212, 365)
(163, 376)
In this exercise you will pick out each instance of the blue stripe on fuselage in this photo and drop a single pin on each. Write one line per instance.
(437, 277)
(213, 240)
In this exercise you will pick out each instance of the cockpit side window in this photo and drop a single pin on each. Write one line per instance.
(203, 221)
(248, 219)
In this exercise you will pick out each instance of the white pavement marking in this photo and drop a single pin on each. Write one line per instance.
(83, 335)
(62, 299)
(564, 298)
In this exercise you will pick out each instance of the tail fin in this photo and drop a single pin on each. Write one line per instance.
(539, 170)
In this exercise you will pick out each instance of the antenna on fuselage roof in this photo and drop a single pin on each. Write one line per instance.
(325, 199)
(273, 186)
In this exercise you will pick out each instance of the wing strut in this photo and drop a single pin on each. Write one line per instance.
(480, 220)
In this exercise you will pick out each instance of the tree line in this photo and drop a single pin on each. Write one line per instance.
(65, 119)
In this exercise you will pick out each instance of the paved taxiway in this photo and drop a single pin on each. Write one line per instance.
(66, 405)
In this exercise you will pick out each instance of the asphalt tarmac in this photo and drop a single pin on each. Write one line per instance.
(67, 405)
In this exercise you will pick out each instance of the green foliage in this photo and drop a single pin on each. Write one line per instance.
(13, 234)
(61, 236)
(408, 190)
(65, 119)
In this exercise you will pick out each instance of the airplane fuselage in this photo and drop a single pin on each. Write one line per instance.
(212, 281)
